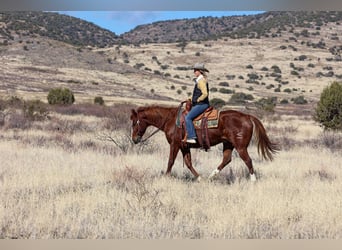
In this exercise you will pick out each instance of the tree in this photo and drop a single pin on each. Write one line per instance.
(329, 108)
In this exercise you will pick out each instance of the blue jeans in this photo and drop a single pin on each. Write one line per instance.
(193, 113)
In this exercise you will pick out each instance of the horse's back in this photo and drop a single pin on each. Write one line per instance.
(234, 114)
(233, 119)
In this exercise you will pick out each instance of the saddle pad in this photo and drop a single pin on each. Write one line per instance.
(212, 117)
(211, 123)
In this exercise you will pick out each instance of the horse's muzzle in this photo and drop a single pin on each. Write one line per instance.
(137, 139)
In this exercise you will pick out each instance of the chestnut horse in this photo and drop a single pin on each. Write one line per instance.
(234, 131)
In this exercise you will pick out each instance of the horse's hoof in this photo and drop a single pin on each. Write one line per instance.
(253, 178)
(198, 179)
(213, 174)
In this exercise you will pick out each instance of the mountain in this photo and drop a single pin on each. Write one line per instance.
(278, 55)
(54, 26)
(269, 24)
(82, 33)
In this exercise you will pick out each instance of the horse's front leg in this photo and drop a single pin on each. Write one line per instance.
(187, 159)
(174, 149)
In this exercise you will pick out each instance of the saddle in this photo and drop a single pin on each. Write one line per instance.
(210, 115)
(208, 119)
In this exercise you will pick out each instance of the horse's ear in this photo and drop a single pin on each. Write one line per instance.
(134, 114)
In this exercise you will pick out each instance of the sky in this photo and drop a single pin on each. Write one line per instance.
(120, 22)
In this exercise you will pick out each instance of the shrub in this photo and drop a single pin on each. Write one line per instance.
(217, 103)
(60, 96)
(240, 98)
(139, 65)
(164, 67)
(300, 100)
(295, 73)
(226, 91)
(302, 58)
(98, 100)
(224, 84)
(253, 76)
(230, 77)
(329, 108)
(267, 104)
(276, 69)
(35, 110)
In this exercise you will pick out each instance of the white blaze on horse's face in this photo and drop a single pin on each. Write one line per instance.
(139, 128)
(135, 127)
(136, 133)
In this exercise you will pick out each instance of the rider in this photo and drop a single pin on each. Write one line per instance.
(200, 100)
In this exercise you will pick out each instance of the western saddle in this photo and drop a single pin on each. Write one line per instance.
(208, 119)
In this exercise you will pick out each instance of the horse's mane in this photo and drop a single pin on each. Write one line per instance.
(157, 113)
(155, 107)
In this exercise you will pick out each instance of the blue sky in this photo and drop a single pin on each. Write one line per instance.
(123, 21)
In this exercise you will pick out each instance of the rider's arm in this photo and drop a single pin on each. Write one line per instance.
(202, 85)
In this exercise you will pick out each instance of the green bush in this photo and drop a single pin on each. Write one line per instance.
(226, 91)
(61, 96)
(299, 100)
(98, 100)
(240, 98)
(329, 108)
(217, 103)
(267, 104)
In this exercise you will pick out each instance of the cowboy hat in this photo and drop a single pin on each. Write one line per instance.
(201, 67)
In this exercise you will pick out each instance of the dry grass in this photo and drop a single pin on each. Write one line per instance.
(60, 176)
(72, 185)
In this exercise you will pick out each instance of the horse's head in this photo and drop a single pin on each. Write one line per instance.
(138, 126)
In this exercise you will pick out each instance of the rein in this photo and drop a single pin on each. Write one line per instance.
(148, 137)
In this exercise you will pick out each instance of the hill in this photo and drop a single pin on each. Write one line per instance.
(54, 26)
(291, 61)
(268, 24)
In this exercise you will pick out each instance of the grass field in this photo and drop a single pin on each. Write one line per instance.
(60, 178)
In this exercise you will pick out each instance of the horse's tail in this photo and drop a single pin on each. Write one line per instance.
(265, 147)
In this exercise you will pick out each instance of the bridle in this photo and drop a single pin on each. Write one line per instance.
(148, 137)
(158, 128)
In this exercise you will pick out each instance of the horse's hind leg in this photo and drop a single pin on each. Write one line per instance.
(248, 161)
(227, 157)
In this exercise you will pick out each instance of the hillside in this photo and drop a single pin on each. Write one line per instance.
(54, 26)
(268, 24)
(296, 60)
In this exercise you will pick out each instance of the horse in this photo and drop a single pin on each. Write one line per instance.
(234, 131)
